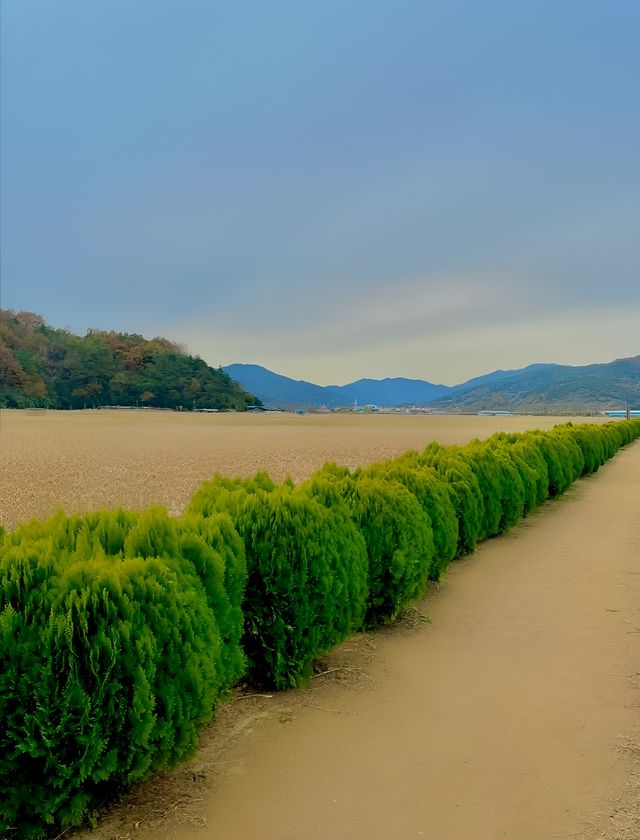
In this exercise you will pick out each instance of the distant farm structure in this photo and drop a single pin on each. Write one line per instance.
(623, 412)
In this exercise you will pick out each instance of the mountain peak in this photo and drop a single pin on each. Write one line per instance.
(537, 387)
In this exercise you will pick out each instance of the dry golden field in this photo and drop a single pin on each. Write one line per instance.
(84, 460)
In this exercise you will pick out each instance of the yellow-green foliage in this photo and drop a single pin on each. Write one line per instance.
(563, 457)
(216, 551)
(228, 494)
(117, 635)
(396, 531)
(307, 574)
(451, 465)
(529, 463)
(434, 496)
(120, 630)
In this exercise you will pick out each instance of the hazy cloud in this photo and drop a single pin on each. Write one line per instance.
(331, 190)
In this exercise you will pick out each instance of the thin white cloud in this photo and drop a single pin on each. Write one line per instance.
(459, 327)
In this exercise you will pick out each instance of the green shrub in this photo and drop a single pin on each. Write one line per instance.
(107, 673)
(484, 465)
(529, 465)
(624, 431)
(396, 532)
(556, 460)
(514, 491)
(307, 575)
(307, 584)
(571, 451)
(450, 463)
(434, 496)
(216, 551)
(228, 494)
(592, 445)
(118, 632)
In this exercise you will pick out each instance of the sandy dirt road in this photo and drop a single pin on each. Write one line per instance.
(512, 712)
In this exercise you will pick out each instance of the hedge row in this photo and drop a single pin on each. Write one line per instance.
(307, 573)
(119, 631)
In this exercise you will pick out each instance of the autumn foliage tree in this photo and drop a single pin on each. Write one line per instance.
(42, 366)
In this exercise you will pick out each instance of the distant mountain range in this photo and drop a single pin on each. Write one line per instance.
(551, 387)
(48, 367)
(536, 388)
(283, 392)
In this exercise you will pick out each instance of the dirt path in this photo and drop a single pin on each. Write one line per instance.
(510, 713)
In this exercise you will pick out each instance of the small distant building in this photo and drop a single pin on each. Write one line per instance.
(624, 412)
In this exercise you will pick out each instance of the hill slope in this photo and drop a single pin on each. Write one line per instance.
(550, 388)
(277, 390)
(274, 389)
(540, 388)
(393, 392)
(43, 366)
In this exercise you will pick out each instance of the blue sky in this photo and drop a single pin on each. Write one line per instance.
(331, 189)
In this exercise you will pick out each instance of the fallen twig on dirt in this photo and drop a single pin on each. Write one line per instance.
(245, 696)
(342, 668)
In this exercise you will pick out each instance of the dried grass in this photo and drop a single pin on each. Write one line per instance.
(84, 460)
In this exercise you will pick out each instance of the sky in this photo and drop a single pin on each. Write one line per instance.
(335, 189)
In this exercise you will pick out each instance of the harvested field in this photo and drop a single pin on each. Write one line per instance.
(84, 460)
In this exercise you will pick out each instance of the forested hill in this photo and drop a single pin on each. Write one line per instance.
(53, 368)
(550, 388)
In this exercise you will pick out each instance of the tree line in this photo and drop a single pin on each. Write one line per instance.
(41, 366)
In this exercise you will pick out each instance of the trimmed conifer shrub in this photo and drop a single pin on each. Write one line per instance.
(118, 634)
(216, 551)
(307, 575)
(571, 451)
(484, 465)
(228, 494)
(109, 670)
(513, 491)
(617, 433)
(556, 459)
(450, 463)
(396, 532)
(434, 496)
(591, 444)
(531, 465)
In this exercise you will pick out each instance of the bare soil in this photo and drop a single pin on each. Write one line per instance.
(505, 705)
(84, 460)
